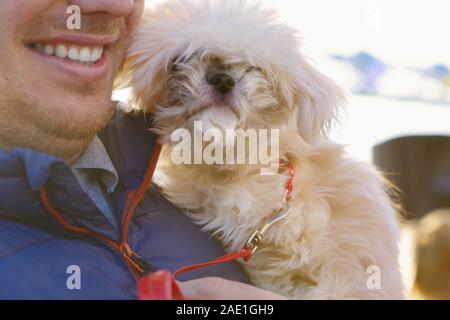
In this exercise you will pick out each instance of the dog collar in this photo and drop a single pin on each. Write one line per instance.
(277, 215)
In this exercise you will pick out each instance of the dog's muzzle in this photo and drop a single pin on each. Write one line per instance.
(222, 82)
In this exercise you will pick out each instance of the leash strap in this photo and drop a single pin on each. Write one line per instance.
(162, 285)
(232, 256)
(256, 238)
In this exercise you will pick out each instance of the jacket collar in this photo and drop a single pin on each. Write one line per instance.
(129, 144)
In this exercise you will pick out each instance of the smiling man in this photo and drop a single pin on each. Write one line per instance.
(72, 163)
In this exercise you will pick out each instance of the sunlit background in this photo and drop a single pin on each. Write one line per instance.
(394, 56)
(385, 52)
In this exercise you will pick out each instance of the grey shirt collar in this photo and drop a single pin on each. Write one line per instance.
(95, 157)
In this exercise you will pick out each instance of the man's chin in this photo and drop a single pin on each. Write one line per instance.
(78, 121)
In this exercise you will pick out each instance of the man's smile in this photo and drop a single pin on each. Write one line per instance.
(85, 55)
(56, 78)
(77, 55)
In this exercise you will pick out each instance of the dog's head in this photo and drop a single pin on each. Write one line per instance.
(229, 64)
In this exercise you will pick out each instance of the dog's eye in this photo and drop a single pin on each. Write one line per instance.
(225, 67)
(253, 68)
(174, 66)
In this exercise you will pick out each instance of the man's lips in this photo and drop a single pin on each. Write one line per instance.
(77, 38)
(79, 56)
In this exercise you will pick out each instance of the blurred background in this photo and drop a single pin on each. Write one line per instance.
(394, 56)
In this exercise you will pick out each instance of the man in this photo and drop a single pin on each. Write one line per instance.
(71, 165)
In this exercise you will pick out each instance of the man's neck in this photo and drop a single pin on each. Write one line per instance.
(23, 126)
(69, 149)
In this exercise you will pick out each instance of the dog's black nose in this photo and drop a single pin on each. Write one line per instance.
(223, 82)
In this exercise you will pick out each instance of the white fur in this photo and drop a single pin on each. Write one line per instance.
(342, 220)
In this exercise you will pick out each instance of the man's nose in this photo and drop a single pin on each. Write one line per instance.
(117, 8)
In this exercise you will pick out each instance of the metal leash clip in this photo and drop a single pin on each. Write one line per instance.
(256, 238)
(279, 214)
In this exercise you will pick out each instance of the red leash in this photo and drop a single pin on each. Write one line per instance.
(137, 264)
(162, 285)
(232, 256)
(255, 240)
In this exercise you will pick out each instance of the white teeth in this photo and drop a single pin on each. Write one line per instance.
(49, 49)
(61, 51)
(84, 55)
(96, 54)
(72, 54)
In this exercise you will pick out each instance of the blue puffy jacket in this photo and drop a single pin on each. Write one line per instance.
(38, 251)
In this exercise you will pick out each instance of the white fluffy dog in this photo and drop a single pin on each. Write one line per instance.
(231, 65)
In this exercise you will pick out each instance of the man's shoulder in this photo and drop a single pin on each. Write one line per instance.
(15, 236)
(125, 114)
(129, 125)
(130, 143)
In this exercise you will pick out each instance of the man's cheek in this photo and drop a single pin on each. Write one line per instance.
(119, 52)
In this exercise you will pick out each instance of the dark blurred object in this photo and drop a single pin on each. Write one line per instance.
(420, 167)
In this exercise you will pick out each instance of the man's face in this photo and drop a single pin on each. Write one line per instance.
(57, 79)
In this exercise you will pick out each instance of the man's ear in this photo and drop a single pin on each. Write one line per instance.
(315, 102)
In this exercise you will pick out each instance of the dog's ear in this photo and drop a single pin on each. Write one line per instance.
(144, 82)
(315, 102)
(145, 68)
(144, 78)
